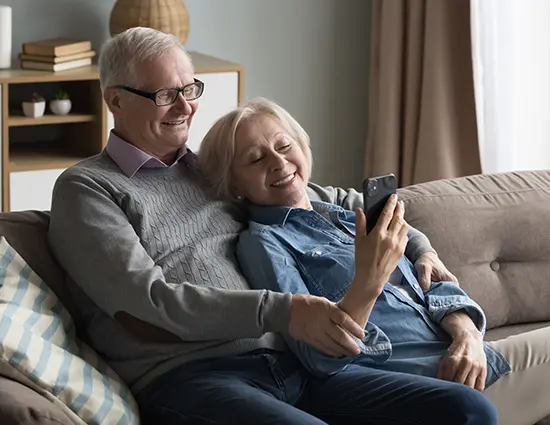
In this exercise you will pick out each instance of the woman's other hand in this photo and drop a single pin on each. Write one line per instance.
(431, 269)
(465, 361)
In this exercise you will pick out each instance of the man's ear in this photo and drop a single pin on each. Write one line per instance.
(112, 99)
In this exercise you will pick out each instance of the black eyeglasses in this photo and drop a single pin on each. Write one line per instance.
(165, 97)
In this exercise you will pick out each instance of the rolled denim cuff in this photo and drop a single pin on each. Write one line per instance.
(376, 344)
(440, 305)
(375, 348)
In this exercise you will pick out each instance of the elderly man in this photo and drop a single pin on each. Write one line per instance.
(150, 258)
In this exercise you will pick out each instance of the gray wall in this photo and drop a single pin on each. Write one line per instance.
(308, 55)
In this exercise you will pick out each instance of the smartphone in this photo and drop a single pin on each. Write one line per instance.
(376, 192)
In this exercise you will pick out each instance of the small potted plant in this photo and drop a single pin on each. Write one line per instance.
(35, 106)
(61, 103)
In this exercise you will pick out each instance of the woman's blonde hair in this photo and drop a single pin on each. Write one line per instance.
(218, 146)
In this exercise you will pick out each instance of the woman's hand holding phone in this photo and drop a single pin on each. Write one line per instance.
(377, 253)
(376, 257)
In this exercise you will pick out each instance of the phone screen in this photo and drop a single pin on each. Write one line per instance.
(376, 192)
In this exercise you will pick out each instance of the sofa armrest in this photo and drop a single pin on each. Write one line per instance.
(19, 405)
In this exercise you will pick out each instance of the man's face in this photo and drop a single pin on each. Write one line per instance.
(158, 130)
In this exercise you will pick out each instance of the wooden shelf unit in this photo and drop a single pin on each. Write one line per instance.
(46, 119)
(16, 75)
(37, 160)
(34, 151)
(51, 142)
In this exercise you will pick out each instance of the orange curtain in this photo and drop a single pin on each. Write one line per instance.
(422, 118)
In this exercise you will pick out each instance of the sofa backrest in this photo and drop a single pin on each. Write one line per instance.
(493, 233)
(26, 232)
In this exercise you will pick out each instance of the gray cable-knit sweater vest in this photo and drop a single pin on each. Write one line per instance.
(157, 247)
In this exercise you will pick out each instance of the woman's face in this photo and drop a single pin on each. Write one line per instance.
(269, 168)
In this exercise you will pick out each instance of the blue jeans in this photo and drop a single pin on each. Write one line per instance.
(266, 387)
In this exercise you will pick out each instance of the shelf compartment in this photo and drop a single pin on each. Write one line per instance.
(25, 160)
(23, 121)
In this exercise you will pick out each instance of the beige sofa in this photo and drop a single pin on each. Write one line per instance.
(492, 231)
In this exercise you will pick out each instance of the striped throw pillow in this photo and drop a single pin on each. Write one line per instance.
(39, 348)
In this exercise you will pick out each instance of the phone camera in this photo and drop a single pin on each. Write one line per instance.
(372, 187)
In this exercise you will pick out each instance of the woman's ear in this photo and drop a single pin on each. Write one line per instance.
(235, 194)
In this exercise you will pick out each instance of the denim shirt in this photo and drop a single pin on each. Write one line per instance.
(312, 252)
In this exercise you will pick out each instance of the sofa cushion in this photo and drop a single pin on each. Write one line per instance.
(39, 348)
(503, 332)
(492, 232)
(21, 405)
(26, 231)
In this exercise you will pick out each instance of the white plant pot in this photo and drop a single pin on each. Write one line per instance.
(60, 106)
(34, 109)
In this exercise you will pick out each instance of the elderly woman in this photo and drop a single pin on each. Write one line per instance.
(258, 154)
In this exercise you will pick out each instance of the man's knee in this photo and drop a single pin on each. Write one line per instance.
(466, 406)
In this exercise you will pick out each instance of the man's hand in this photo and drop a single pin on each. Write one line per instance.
(320, 323)
(465, 361)
(431, 269)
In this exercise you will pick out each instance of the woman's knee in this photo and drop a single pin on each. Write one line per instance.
(466, 406)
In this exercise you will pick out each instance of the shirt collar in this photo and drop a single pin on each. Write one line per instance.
(131, 159)
(270, 215)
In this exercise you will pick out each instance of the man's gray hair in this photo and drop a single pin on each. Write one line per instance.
(120, 54)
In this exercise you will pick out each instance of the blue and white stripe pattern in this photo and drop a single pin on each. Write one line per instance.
(38, 342)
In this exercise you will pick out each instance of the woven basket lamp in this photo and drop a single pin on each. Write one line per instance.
(169, 16)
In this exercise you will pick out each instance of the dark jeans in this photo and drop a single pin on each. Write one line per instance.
(271, 388)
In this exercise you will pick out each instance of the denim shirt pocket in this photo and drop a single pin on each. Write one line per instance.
(328, 269)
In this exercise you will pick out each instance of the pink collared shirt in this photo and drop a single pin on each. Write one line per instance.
(130, 158)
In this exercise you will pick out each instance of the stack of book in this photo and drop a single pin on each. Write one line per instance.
(56, 54)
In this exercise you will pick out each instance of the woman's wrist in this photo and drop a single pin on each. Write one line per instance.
(468, 334)
(460, 326)
(366, 286)
(360, 298)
